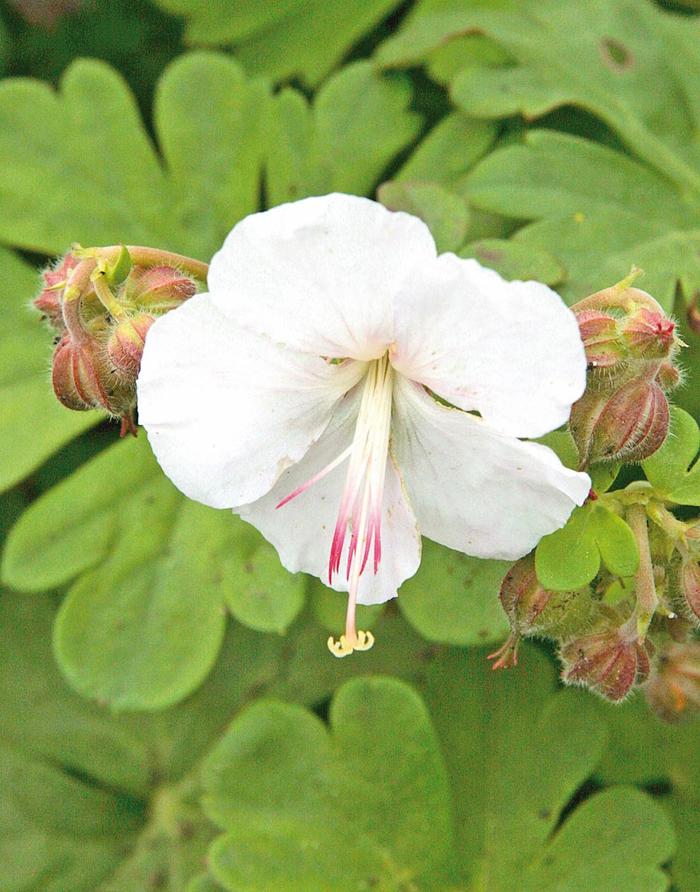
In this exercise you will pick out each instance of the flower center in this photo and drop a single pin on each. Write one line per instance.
(360, 511)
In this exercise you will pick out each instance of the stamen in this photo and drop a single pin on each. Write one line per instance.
(361, 503)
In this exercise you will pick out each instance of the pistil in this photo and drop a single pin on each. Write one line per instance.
(360, 509)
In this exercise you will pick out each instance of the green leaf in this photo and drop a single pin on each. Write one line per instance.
(453, 598)
(644, 750)
(288, 793)
(285, 38)
(671, 469)
(143, 622)
(613, 214)
(561, 442)
(34, 424)
(449, 150)
(79, 165)
(516, 261)
(516, 753)
(607, 56)
(259, 592)
(93, 802)
(445, 213)
(570, 557)
(358, 122)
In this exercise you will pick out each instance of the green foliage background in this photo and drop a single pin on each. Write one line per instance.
(169, 715)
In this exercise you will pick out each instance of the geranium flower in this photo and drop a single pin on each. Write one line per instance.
(344, 389)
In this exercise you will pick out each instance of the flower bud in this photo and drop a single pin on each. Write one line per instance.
(601, 341)
(125, 344)
(82, 380)
(159, 288)
(668, 376)
(606, 662)
(689, 585)
(673, 691)
(649, 334)
(628, 426)
(74, 376)
(534, 610)
(55, 278)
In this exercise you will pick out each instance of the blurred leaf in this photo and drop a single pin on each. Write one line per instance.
(258, 590)
(358, 122)
(4, 45)
(34, 424)
(307, 810)
(453, 598)
(643, 750)
(445, 213)
(612, 57)
(570, 557)
(132, 35)
(449, 150)
(515, 261)
(672, 469)
(142, 625)
(93, 802)
(286, 792)
(516, 753)
(101, 180)
(612, 214)
(287, 38)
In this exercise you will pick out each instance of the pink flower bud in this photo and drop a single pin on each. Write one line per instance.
(689, 584)
(607, 663)
(630, 425)
(83, 380)
(75, 378)
(673, 691)
(159, 288)
(48, 301)
(534, 610)
(601, 339)
(126, 342)
(668, 377)
(650, 334)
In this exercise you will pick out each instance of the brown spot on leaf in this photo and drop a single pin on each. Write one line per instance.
(615, 55)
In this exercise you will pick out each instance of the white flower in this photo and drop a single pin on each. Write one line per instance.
(333, 335)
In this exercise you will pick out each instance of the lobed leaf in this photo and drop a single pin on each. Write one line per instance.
(102, 181)
(453, 598)
(343, 142)
(287, 793)
(646, 751)
(143, 622)
(516, 754)
(672, 469)
(287, 38)
(570, 557)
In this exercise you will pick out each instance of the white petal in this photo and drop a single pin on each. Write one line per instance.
(510, 350)
(473, 488)
(302, 530)
(227, 410)
(321, 274)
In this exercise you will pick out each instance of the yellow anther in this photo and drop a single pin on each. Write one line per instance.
(364, 641)
(344, 647)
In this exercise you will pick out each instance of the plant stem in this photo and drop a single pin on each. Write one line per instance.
(635, 629)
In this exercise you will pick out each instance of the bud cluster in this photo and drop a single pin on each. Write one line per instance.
(614, 635)
(631, 346)
(101, 302)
